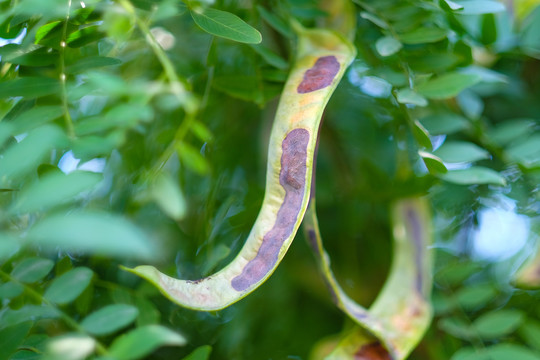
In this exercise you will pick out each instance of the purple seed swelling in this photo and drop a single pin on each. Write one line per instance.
(320, 75)
(293, 179)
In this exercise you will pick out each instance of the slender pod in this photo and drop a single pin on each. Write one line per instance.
(321, 59)
(396, 321)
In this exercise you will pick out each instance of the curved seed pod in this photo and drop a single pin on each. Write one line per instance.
(395, 323)
(321, 60)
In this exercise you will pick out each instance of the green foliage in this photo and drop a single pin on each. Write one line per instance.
(135, 130)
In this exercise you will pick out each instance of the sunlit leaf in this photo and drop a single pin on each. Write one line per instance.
(461, 151)
(477, 7)
(388, 45)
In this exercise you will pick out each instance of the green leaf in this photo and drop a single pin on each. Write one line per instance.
(91, 62)
(453, 5)
(54, 189)
(474, 175)
(409, 96)
(526, 152)
(168, 196)
(200, 353)
(34, 312)
(498, 323)
(226, 25)
(444, 123)
(32, 269)
(148, 313)
(202, 132)
(35, 117)
(388, 45)
(11, 337)
(447, 85)
(423, 35)
(530, 332)
(421, 135)
(511, 130)
(456, 327)
(475, 297)
(193, 159)
(92, 232)
(142, 341)
(23, 157)
(29, 87)
(10, 290)
(461, 151)
(9, 246)
(275, 22)
(433, 163)
(270, 57)
(510, 351)
(478, 7)
(110, 319)
(67, 287)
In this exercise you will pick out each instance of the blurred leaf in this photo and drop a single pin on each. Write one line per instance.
(92, 232)
(226, 25)
(32, 269)
(193, 159)
(456, 327)
(409, 96)
(11, 337)
(374, 19)
(200, 353)
(498, 323)
(388, 45)
(29, 87)
(474, 175)
(168, 196)
(447, 85)
(142, 341)
(421, 135)
(511, 130)
(91, 62)
(477, 7)
(70, 347)
(444, 123)
(24, 157)
(275, 22)
(35, 117)
(510, 351)
(423, 35)
(453, 5)
(476, 296)
(34, 312)
(202, 132)
(9, 246)
(270, 57)
(530, 332)
(10, 290)
(461, 151)
(456, 273)
(148, 313)
(67, 287)
(54, 189)
(217, 254)
(109, 319)
(527, 152)
(433, 163)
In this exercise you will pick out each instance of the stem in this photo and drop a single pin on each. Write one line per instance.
(178, 86)
(67, 117)
(100, 348)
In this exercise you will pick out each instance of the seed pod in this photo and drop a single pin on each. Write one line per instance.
(321, 60)
(397, 320)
